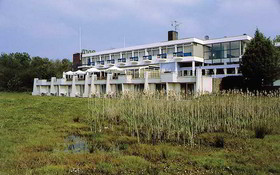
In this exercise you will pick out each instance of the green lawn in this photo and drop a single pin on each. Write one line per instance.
(52, 135)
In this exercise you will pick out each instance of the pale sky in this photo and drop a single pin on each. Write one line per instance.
(50, 28)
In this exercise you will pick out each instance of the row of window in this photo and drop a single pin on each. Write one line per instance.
(224, 50)
(213, 51)
(151, 52)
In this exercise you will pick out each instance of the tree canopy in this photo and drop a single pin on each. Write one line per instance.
(18, 70)
(260, 63)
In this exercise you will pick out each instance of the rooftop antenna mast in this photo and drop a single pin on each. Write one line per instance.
(175, 24)
(80, 32)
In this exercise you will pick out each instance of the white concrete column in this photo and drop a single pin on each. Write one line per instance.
(92, 85)
(193, 68)
(52, 90)
(215, 71)
(35, 88)
(159, 51)
(132, 53)
(64, 75)
(108, 86)
(146, 52)
(110, 56)
(86, 86)
(236, 70)
(176, 48)
(167, 89)
(225, 71)
(146, 84)
(122, 88)
(198, 86)
(59, 90)
(74, 90)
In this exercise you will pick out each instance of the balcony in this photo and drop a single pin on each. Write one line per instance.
(122, 61)
(147, 58)
(162, 57)
(134, 60)
(178, 56)
(100, 63)
(111, 62)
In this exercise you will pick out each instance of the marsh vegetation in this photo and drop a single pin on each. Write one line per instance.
(225, 133)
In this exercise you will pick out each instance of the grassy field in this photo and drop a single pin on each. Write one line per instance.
(207, 135)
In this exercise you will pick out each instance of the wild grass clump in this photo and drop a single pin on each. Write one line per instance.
(168, 117)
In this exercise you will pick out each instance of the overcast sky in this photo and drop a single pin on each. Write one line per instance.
(50, 28)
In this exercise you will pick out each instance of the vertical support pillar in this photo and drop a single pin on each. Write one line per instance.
(199, 85)
(86, 86)
(167, 89)
(108, 86)
(236, 70)
(59, 90)
(64, 75)
(92, 85)
(159, 50)
(176, 50)
(215, 71)
(35, 88)
(146, 84)
(225, 71)
(193, 68)
(74, 90)
(52, 90)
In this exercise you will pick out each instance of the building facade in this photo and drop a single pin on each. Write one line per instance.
(182, 66)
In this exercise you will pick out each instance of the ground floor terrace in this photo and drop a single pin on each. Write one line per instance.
(100, 83)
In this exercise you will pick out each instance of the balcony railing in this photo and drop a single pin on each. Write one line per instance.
(111, 61)
(162, 56)
(122, 60)
(182, 54)
(100, 62)
(133, 59)
(147, 57)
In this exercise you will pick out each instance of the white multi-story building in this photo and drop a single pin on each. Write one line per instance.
(182, 65)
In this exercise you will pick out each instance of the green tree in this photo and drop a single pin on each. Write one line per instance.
(18, 70)
(260, 64)
(276, 39)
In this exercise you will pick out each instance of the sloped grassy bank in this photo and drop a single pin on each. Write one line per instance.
(139, 135)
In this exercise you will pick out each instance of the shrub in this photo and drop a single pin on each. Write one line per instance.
(261, 131)
(219, 142)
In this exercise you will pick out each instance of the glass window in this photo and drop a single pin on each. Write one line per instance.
(115, 56)
(141, 53)
(136, 53)
(235, 45)
(170, 49)
(207, 55)
(225, 46)
(187, 48)
(155, 51)
(216, 47)
(129, 54)
(225, 54)
(235, 53)
(124, 55)
(107, 57)
(163, 50)
(179, 48)
(102, 57)
(149, 51)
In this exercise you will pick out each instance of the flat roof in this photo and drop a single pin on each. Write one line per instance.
(173, 42)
